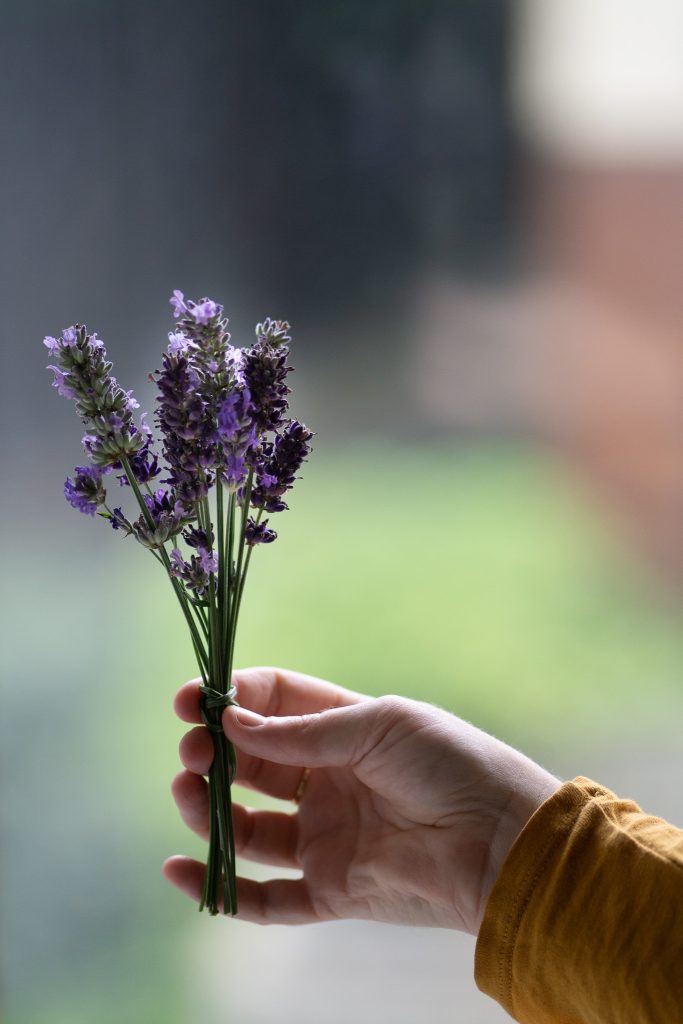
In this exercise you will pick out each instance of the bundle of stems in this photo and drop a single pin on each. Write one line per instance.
(213, 625)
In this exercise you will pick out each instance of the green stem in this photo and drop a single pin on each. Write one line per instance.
(196, 639)
(228, 562)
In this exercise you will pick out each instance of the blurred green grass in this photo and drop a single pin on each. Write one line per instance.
(475, 576)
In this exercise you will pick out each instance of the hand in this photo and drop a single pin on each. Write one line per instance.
(406, 816)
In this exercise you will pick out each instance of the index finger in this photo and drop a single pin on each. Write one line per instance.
(271, 692)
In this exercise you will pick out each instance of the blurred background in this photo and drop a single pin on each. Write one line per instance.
(472, 214)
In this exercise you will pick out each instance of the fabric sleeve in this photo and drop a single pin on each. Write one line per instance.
(584, 924)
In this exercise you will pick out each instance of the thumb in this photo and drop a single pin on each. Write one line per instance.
(333, 738)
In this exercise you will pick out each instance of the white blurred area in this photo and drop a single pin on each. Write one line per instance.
(601, 80)
(583, 350)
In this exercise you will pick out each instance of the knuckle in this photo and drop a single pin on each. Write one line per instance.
(392, 707)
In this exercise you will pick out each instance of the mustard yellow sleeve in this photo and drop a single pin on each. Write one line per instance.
(584, 924)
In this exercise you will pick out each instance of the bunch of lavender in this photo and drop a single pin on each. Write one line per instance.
(229, 455)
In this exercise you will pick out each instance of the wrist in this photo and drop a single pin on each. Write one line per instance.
(528, 791)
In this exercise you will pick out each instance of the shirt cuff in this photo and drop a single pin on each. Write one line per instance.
(535, 847)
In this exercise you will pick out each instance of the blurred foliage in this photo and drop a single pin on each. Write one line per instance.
(473, 576)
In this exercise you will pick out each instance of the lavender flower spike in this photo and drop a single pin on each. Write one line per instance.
(237, 432)
(278, 466)
(82, 373)
(265, 369)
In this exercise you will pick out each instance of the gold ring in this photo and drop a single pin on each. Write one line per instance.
(301, 788)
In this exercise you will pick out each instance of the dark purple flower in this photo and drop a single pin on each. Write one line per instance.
(195, 574)
(169, 517)
(197, 538)
(278, 463)
(265, 369)
(189, 442)
(258, 533)
(119, 521)
(85, 492)
(144, 463)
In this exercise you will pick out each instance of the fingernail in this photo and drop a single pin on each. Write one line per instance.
(247, 718)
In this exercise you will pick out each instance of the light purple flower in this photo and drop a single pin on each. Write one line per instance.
(59, 382)
(204, 311)
(131, 403)
(177, 300)
(234, 363)
(179, 342)
(209, 561)
(50, 343)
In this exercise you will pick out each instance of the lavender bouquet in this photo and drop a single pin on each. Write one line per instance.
(230, 453)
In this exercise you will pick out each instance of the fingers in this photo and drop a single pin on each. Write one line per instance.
(271, 691)
(266, 837)
(280, 781)
(278, 901)
(335, 738)
(191, 794)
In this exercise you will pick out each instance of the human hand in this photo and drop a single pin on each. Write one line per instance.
(406, 816)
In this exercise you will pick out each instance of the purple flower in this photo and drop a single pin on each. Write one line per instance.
(85, 492)
(235, 423)
(195, 574)
(130, 402)
(209, 561)
(278, 463)
(265, 369)
(59, 382)
(258, 533)
(237, 432)
(144, 464)
(235, 363)
(82, 373)
(196, 538)
(189, 442)
(119, 522)
(177, 300)
(179, 342)
(204, 311)
(169, 517)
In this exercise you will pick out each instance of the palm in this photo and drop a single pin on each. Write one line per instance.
(371, 847)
